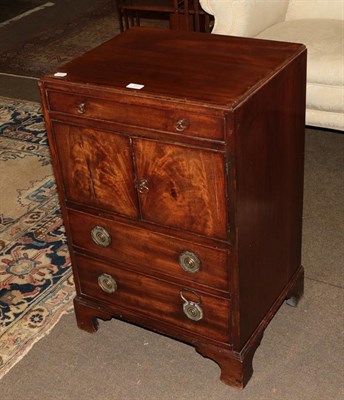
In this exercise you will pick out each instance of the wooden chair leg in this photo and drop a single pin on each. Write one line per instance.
(137, 18)
(120, 15)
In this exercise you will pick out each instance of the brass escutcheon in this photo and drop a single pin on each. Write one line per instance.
(81, 108)
(181, 125)
(189, 262)
(143, 186)
(107, 283)
(101, 236)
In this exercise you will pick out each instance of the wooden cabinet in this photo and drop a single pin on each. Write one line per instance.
(182, 200)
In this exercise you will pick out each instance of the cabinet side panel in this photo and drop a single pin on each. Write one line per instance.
(269, 130)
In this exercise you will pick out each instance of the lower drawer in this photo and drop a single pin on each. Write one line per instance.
(151, 252)
(208, 315)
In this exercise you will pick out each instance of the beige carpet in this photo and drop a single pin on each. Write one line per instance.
(300, 358)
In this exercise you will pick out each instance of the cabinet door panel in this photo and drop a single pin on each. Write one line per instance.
(183, 187)
(96, 168)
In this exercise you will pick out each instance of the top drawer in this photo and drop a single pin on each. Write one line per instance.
(167, 120)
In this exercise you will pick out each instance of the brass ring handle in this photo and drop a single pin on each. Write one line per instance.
(181, 125)
(107, 283)
(101, 236)
(182, 291)
(191, 309)
(189, 262)
(81, 108)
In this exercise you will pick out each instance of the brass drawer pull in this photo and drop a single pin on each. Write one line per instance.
(189, 262)
(81, 108)
(143, 186)
(181, 125)
(192, 309)
(101, 236)
(107, 283)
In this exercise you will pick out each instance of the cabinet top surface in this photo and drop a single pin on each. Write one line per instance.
(183, 66)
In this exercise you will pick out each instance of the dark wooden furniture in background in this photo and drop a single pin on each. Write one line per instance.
(182, 14)
(182, 199)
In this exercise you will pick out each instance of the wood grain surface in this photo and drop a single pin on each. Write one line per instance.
(151, 252)
(186, 187)
(155, 298)
(96, 168)
(214, 69)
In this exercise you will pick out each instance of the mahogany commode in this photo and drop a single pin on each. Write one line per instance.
(182, 199)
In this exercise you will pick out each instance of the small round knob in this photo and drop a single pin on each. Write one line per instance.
(81, 108)
(101, 236)
(107, 283)
(189, 262)
(181, 125)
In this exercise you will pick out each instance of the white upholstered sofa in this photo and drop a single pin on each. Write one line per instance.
(319, 24)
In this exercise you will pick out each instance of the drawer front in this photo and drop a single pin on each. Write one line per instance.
(154, 298)
(149, 251)
(167, 120)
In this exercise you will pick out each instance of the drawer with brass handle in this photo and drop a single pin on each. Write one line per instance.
(166, 120)
(182, 307)
(134, 246)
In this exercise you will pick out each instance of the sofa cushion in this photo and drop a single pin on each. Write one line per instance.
(325, 97)
(325, 119)
(304, 9)
(324, 40)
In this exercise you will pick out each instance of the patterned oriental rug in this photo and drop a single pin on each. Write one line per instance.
(36, 286)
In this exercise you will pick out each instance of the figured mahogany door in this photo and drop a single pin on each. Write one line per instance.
(97, 168)
(182, 187)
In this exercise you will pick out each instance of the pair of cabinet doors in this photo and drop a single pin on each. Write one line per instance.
(158, 182)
